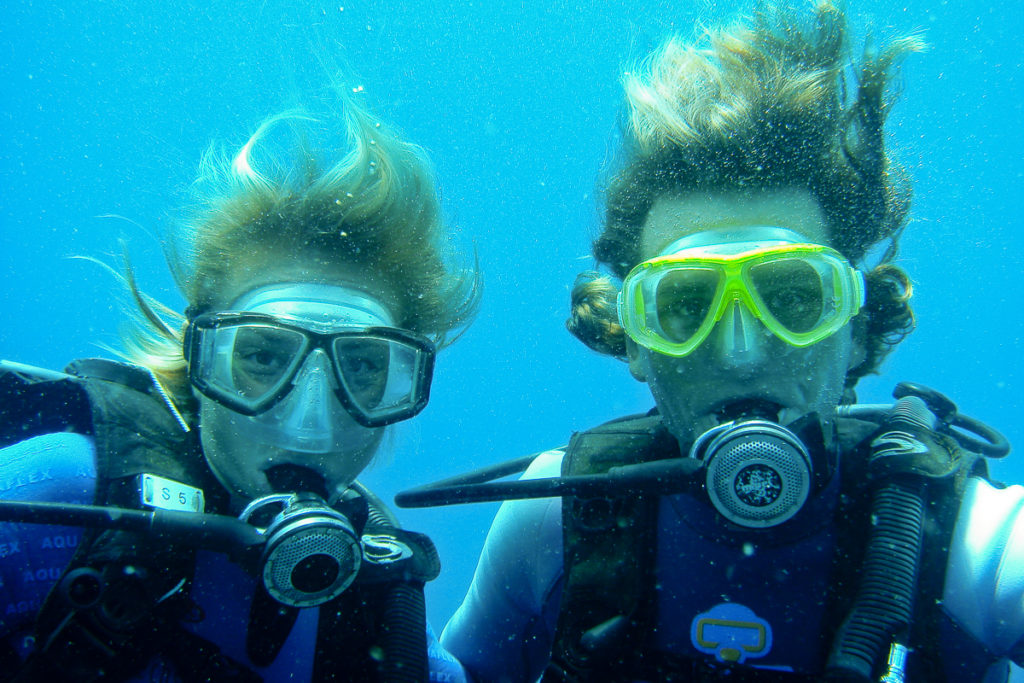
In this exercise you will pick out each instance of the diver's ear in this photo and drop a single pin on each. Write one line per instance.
(637, 360)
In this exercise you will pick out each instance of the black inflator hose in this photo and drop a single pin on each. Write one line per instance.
(885, 603)
(404, 626)
(404, 634)
(884, 606)
(378, 513)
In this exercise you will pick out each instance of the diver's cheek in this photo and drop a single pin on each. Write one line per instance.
(823, 375)
(672, 382)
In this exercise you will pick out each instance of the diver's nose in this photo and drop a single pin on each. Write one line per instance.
(310, 400)
(740, 337)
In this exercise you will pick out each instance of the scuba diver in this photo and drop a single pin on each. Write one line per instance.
(758, 524)
(201, 517)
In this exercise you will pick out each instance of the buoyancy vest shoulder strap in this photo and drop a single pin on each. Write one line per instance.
(144, 580)
(609, 545)
(135, 430)
(34, 401)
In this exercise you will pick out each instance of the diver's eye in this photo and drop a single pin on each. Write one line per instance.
(364, 364)
(686, 311)
(361, 367)
(799, 309)
(684, 300)
(362, 361)
(791, 289)
(264, 353)
(261, 361)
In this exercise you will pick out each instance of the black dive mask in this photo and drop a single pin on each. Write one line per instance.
(758, 473)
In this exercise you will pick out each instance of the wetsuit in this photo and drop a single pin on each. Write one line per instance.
(756, 596)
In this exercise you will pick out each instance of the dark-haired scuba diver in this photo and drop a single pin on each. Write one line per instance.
(226, 537)
(758, 525)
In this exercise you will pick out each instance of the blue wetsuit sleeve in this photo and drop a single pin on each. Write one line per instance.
(505, 626)
(49, 468)
(444, 668)
(984, 588)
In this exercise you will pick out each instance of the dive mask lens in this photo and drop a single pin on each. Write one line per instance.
(245, 363)
(263, 360)
(802, 293)
(804, 298)
(385, 376)
(791, 292)
(684, 298)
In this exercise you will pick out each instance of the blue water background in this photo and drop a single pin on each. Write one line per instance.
(106, 106)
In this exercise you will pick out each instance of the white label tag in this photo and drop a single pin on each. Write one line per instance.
(168, 494)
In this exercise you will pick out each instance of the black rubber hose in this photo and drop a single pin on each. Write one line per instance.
(659, 477)
(404, 629)
(885, 603)
(378, 513)
(199, 530)
(884, 607)
(405, 634)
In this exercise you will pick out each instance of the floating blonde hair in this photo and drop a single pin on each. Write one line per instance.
(375, 206)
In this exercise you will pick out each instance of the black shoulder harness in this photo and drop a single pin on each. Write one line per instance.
(609, 544)
(145, 579)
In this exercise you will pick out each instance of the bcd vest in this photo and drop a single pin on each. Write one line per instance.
(375, 630)
(608, 609)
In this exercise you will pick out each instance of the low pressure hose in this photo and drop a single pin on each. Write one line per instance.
(378, 513)
(404, 628)
(884, 605)
(886, 600)
(405, 634)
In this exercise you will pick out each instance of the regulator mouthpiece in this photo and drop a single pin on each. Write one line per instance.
(759, 473)
(312, 552)
(289, 478)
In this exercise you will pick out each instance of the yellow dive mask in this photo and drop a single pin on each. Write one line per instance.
(802, 292)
